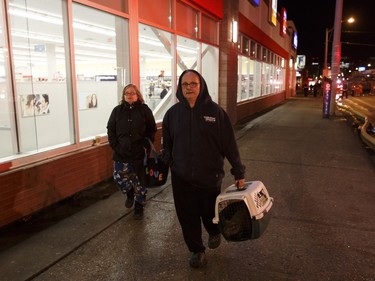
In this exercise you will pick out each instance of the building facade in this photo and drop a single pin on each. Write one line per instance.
(65, 62)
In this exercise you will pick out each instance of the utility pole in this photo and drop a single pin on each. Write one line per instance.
(336, 54)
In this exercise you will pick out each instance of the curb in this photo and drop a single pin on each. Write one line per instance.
(368, 139)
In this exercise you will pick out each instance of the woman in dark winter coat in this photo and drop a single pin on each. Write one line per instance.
(197, 137)
(129, 124)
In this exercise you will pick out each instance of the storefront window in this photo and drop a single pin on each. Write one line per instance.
(245, 46)
(248, 77)
(259, 52)
(257, 78)
(252, 49)
(245, 78)
(187, 20)
(101, 65)
(210, 69)
(259, 73)
(209, 30)
(158, 12)
(47, 97)
(188, 54)
(264, 54)
(155, 61)
(43, 100)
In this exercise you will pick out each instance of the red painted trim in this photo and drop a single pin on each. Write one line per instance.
(5, 166)
(215, 7)
(252, 31)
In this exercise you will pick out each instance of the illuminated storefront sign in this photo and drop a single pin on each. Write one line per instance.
(301, 61)
(283, 25)
(273, 12)
(254, 2)
(295, 40)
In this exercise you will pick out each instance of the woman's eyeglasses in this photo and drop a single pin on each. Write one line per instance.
(191, 84)
(130, 94)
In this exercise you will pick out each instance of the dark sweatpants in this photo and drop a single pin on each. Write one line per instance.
(193, 204)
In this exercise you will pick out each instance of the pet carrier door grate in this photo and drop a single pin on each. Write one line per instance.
(242, 214)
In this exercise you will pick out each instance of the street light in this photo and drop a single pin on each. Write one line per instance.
(328, 31)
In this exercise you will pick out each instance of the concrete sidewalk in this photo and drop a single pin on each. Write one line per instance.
(322, 225)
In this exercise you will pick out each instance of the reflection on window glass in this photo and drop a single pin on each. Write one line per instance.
(102, 69)
(187, 20)
(249, 78)
(210, 69)
(209, 29)
(243, 67)
(188, 54)
(155, 60)
(252, 49)
(43, 98)
(257, 78)
(245, 46)
(259, 52)
(158, 12)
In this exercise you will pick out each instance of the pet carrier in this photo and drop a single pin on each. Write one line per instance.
(242, 214)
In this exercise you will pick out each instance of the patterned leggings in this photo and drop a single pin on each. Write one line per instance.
(126, 179)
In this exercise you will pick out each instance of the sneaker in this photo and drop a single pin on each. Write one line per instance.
(138, 211)
(130, 199)
(198, 260)
(214, 241)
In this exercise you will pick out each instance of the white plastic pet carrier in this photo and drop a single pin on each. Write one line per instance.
(242, 214)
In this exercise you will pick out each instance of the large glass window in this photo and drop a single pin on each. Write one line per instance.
(259, 71)
(187, 54)
(243, 78)
(158, 12)
(209, 30)
(102, 67)
(210, 69)
(257, 78)
(43, 99)
(246, 83)
(245, 46)
(187, 20)
(259, 53)
(252, 49)
(266, 73)
(69, 82)
(155, 61)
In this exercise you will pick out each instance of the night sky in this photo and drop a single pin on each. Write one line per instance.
(312, 17)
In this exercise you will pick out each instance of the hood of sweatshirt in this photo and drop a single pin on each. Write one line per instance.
(204, 95)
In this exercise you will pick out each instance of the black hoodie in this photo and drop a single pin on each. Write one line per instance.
(127, 128)
(196, 140)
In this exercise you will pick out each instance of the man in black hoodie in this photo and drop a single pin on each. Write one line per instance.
(197, 137)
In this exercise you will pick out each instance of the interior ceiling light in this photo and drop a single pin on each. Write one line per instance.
(54, 19)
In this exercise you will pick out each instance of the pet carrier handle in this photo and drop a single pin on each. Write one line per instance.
(153, 153)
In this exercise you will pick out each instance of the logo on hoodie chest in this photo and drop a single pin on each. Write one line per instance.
(209, 119)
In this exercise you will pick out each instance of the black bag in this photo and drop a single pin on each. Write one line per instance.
(155, 171)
